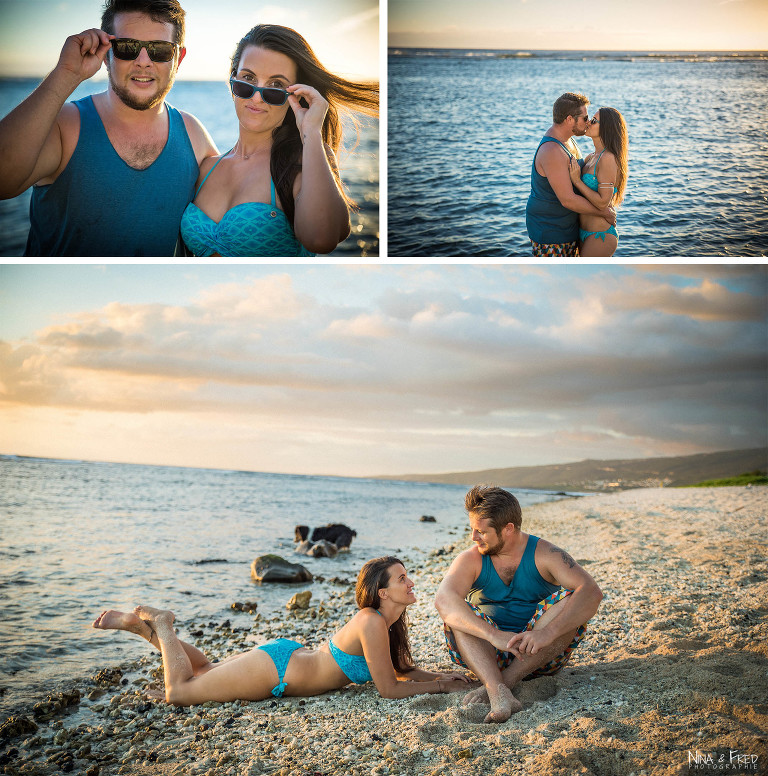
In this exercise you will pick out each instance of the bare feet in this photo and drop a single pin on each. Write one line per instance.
(503, 704)
(114, 620)
(480, 695)
(151, 615)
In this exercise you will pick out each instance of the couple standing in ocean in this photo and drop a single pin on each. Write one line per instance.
(571, 209)
(514, 606)
(122, 173)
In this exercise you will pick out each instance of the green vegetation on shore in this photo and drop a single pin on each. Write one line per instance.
(750, 478)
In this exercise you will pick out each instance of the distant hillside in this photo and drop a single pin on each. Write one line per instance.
(612, 475)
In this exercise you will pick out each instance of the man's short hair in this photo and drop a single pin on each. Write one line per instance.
(168, 11)
(568, 104)
(497, 505)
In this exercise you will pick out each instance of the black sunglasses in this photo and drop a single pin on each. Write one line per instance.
(130, 48)
(272, 95)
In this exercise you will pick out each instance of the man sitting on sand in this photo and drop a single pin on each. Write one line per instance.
(514, 606)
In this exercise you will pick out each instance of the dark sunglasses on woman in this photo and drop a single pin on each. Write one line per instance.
(272, 95)
(130, 48)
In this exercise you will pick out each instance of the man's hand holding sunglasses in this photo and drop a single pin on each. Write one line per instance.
(309, 120)
(83, 54)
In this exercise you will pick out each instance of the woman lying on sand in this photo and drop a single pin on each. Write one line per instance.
(373, 645)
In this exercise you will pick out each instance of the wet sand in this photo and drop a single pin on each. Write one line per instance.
(674, 668)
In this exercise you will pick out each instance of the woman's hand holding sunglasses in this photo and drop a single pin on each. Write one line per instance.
(310, 119)
(83, 54)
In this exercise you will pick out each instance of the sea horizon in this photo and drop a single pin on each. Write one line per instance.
(654, 54)
(228, 470)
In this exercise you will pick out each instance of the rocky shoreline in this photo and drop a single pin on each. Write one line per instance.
(675, 663)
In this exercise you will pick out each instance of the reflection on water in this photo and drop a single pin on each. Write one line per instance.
(460, 155)
(211, 102)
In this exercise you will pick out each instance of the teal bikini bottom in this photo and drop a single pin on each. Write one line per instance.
(610, 230)
(280, 650)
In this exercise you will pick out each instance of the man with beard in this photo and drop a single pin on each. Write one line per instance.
(514, 606)
(552, 212)
(112, 172)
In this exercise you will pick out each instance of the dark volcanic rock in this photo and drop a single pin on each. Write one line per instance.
(54, 704)
(273, 568)
(108, 676)
(16, 726)
(246, 606)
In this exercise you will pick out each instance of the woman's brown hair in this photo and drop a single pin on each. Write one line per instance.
(373, 576)
(613, 133)
(285, 162)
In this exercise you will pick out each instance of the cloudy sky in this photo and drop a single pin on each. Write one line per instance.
(363, 370)
(606, 25)
(343, 33)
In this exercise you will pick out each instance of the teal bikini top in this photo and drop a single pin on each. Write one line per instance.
(354, 667)
(247, 229)
(590, 179)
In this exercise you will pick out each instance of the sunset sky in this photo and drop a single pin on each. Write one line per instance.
(343, 33)
(365, 370)
(606, 25)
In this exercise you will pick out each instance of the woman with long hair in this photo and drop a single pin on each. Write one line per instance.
(277, 192)
(373, 645)
(602, 180)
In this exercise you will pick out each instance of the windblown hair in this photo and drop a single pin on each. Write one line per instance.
(495, 504)
(285, 161)
(568, 104)
(613, 133)
(372, 577)
(169, 11)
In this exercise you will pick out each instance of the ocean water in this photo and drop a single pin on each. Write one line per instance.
(80, 537)
(464, 126)
(211, 102)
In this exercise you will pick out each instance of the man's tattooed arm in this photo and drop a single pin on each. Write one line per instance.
(567, 559)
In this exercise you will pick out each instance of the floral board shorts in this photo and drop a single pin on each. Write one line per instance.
(555, 249)
(503, 659)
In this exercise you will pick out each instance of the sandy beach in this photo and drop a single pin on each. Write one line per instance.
(673, 671)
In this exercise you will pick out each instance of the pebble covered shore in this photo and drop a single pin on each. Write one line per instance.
(675, 664)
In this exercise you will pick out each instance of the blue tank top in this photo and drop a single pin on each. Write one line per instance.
(546, 219)
(511, 606)
(247, 229)
(100, 206)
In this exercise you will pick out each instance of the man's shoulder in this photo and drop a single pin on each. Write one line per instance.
(543, 545)
(552, 148)
(191, 121)
(69, 114)
(201, 141)
(468, 558)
